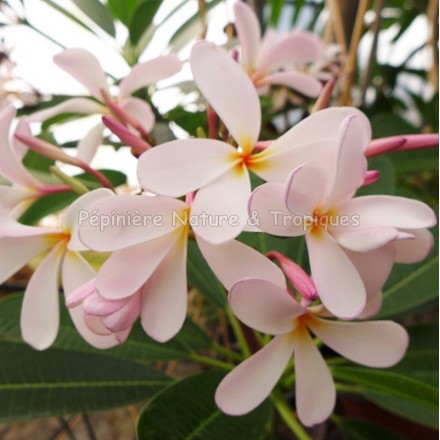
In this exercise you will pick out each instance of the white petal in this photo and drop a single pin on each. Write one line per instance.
(234, 260)
(251, 382)
(264, 306)
(124, 318)
(39, 320)
(365, 239)
(85, 68)
(149, 72)
(223, 204)
(178, 167)
(374, 304)
(16, 199)
(229, 90)
(164, 296)
(18, 148)
(267, 204)
(75, 273)
(249, 32)
(315, 389)
(127, 220)
(15, 252)
(396, 212)
(140, 111)
(339, 284)
(128, 269)
(74, 105)
(378, 344)
(415, 250)
(88, 146)
(301, 82)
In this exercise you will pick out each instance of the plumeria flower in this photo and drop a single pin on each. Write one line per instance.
(147, 268)
(19, 244)
(269, 308)
(317, 201)
(217, 169)
(85, 68)
(262, 58)
(24, 188)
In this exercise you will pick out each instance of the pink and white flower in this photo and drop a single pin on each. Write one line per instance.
(85, 68)
(269, 308)
(217, 169)
(60, 248)
(317, 201)
(263, 58)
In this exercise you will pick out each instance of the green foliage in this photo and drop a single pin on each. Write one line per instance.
(186, 410)
(354, 429)
(97, 12)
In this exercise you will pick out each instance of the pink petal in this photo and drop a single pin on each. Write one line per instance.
(124, 318)
(78, 283)
(233, 261)
(229, 90)
(251, 382)
(339, 284)
(128, 269)
(18, 148)
(85, 68)
(73, 217)
(88, 146)
(15, 252)
(149, 72)
(264, 306)
(374, 304)
(73, 105)
(389, 211)
(267, 204)
(164, 297)
(306, 189)
(415, 250)
(378, 344)
(374, 267)
(364, 240)
(39, 320)
(179, 167)
(248, 32)
(315, 389)
(223, 204)
(300, 47)
(351, 164)
(140, 111)
(95, 304)
(156, 217)
(16, 199)
(300, 82)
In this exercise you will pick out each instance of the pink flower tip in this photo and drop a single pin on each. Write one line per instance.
(371, 177)
(300, 280)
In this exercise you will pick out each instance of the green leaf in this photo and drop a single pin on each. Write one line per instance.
(276, 7)
(142, 19)
(386, 182)
(396, 392)
(97, 12)
(123, 10)
(57, 382)
(354, 429)
(186, 410)
(202, 278)
(139, 347)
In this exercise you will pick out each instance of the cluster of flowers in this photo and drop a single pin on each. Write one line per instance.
(312, 172)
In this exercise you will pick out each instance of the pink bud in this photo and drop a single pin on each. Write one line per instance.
(415, 141)
(296, 275)
(127, 137)
(325, 96)
(371, 177)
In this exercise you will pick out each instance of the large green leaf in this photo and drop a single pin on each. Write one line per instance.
(123, 10)
(97, 12)
(395, 392)
(139, 347)
(354, 429)
(57, 382)
(142, 19)
(186, 410)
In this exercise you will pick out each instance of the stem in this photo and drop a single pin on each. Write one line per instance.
(229, 353)
(210, 361)
(43, 34)
(98, 175)
(288, 415)
(238, 333)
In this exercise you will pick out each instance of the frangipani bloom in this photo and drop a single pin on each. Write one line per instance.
(317, 202)
(269, 308)
(218, 170)
(262, 59)
(24, 188)
(85, 68)
(19, 244)
(146, 272)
